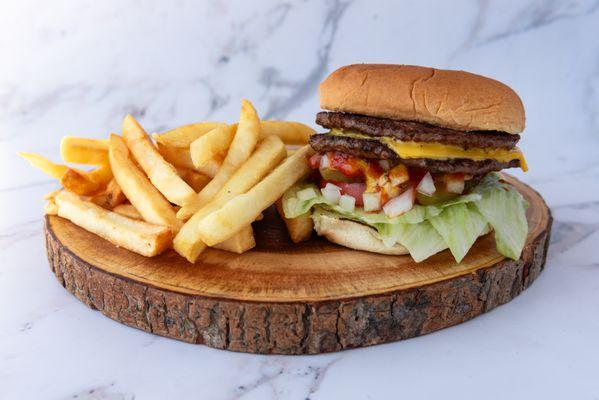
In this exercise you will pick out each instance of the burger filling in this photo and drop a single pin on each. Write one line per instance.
(427, 192)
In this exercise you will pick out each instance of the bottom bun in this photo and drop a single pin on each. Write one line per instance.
(353, 234)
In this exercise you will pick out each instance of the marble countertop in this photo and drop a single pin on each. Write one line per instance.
(78, 67)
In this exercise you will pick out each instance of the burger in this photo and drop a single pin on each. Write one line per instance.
(410, 162)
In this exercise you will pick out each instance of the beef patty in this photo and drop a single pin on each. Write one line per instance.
(373, 149)
(408, 131)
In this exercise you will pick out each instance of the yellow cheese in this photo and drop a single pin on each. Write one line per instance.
(438, 151)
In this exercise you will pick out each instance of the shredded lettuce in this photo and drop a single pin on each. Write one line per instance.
(427, 230)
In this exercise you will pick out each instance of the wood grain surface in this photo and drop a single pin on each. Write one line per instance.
(290, 298)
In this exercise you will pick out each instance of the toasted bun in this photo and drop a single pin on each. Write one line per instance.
(353, 235)
(452, 99)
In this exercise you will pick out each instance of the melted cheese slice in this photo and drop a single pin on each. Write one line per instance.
(438, 151)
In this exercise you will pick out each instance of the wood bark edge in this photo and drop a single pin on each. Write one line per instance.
(302, 327)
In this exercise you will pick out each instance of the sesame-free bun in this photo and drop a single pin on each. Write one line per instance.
(452, 99)
(353, 235)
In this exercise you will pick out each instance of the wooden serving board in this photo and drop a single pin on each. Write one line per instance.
(293, 299)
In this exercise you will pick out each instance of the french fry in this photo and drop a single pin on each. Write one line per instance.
(183, 136)
(242, 146)
(266, 157)
(101, 175)
(180, 157)
(52, 194)
(162, 174)
(114, 194)
(289, 132)
(138, 189)
(78, 183)
(211, 167)
(210, 149)
(196, 180)
(299, 228)
(86, 183)
(54, 170)
(244, 208)
(137, 236)
(84, 151)
(240, 243)
(50, 207)
(128, 211)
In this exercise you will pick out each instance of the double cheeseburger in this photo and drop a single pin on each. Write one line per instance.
(409, 163)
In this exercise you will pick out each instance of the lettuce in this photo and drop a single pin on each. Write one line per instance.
(427, 230)
(504, 208)
(459, 225)
(421, 240)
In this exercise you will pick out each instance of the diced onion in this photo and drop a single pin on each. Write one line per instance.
(426, 185)
(332, 186)
(348, 203)
(331, 195)
(306, 194)
(400, 204)
(325, 162)
(455, 186)
(372, 201)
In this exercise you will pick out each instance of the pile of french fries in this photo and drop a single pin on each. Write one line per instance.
(195, 186)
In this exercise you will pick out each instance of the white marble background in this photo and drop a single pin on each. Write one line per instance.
(76, 67)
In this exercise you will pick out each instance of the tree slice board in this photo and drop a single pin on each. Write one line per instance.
(290, 298)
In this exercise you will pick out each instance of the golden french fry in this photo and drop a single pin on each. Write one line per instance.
(50, 207)
(180, 157)
(137, 187)
(84, 151)
(47, 166)
(242, 146)
(110, 197)
(114, 194)
(128, 211)
(78, 183)
(239, 243)
(138, 236)
(50, 195)
(211, 147)
(299, 228)
(101, 175)
(196, 180)
(244, 208)
(162, 174)
(266, 157)
(290, 132)
(183, 136)
(211, 167)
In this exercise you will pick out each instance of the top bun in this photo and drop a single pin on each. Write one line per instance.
(452, 99)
